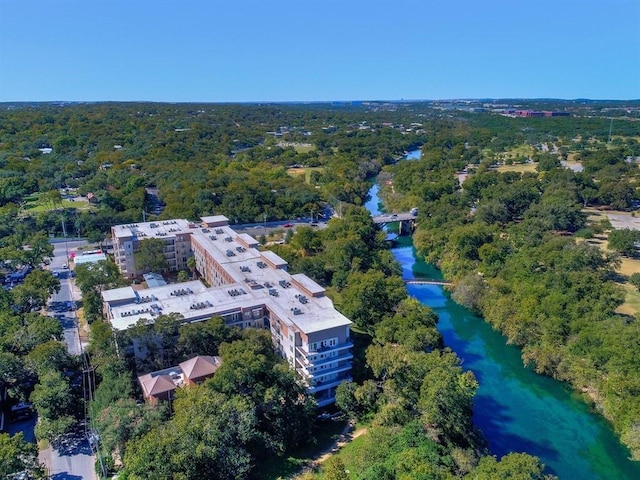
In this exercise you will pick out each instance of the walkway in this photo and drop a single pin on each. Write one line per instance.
(428, 282)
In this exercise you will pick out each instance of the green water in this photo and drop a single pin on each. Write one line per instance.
(518, 410)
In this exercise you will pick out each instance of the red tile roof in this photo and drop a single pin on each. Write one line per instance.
(198, 367)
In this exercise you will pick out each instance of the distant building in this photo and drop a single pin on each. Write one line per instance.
(248, 289)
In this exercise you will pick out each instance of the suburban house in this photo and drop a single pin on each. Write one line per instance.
(161, 385)
(248, 288)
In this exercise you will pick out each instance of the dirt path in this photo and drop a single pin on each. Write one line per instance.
(345, 437)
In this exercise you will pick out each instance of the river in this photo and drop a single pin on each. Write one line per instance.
(516, 409)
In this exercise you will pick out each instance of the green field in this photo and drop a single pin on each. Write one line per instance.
(306, 171)
(35, 205)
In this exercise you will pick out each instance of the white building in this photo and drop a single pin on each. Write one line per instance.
(249, 288)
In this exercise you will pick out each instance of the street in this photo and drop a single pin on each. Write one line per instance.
(72, 458)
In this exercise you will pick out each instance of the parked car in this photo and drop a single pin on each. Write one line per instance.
(21, 411)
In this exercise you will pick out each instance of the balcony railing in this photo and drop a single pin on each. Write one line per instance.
(319, 386)
(311, 377)
(306, 363)
(307, 353)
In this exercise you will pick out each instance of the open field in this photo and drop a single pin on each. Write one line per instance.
(306, 171)
(628, 266)
(518, 167)
(34, 204)
(520, 151)
(298, 147)
(39, 208)
(631, 305)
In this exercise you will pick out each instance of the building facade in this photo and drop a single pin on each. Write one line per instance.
(247, 288)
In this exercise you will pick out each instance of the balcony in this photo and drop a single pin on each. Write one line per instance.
(310, 377)
(305, 363)
(320, 386)
(307, 353)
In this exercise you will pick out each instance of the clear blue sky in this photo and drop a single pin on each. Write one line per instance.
(297, 50)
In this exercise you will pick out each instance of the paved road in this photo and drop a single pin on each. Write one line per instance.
(72, 458)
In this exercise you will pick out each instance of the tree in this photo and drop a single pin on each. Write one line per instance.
(36, 329)
(369, 296)
(19, 457)
(37, 249)
(516, 466)
(634, 279)
(150, 256)
(52, 198)
(412, 325)
(33, 294)
(51, 355)
(204, 338)
(54, 402)
(334, 469)
(191, 265)
(624, 241)
(183, 276)
(98, 276)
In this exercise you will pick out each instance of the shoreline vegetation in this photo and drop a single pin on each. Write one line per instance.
(527, 276)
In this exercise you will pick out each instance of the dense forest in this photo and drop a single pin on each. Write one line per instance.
(515, 244)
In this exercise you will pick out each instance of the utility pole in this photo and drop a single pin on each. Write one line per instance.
(144, 216)
(610, 130)
(66, 244)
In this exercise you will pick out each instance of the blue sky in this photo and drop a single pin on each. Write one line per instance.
(296, 50)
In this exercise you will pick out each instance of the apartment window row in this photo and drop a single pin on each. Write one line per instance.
(316, 346)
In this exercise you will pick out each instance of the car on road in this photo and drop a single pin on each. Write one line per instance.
(288, 225)
(65, 266)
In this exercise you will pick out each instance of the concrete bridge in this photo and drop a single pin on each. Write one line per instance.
(406, 220)
(428, 282)
(394, 217)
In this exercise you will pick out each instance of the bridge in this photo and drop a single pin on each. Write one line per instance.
(428, 282)
(394, 217)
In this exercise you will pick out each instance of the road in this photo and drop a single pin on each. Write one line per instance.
(72, 458)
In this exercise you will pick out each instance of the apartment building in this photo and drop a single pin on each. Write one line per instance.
(247, 288)
(126, 241)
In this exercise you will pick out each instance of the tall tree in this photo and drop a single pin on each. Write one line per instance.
(150, 256)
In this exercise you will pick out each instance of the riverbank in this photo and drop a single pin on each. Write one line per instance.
(517, 409)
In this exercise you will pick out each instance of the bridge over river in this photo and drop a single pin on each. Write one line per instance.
(385, 218)
(428, 282)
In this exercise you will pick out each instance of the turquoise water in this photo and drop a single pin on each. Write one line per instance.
(516, 409)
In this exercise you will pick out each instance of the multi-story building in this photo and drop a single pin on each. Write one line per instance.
(248, 288)
(126, 241)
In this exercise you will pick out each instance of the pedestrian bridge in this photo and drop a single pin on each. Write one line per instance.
(428, 282)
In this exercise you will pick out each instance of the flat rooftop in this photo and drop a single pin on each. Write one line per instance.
(259, 279)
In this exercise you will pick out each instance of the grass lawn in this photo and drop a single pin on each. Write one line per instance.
(518, 167)
(520, 151)
(631, 305)
(288, 466)
(304, 148)
(35, 205)
(306, 171)
(628, 266)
